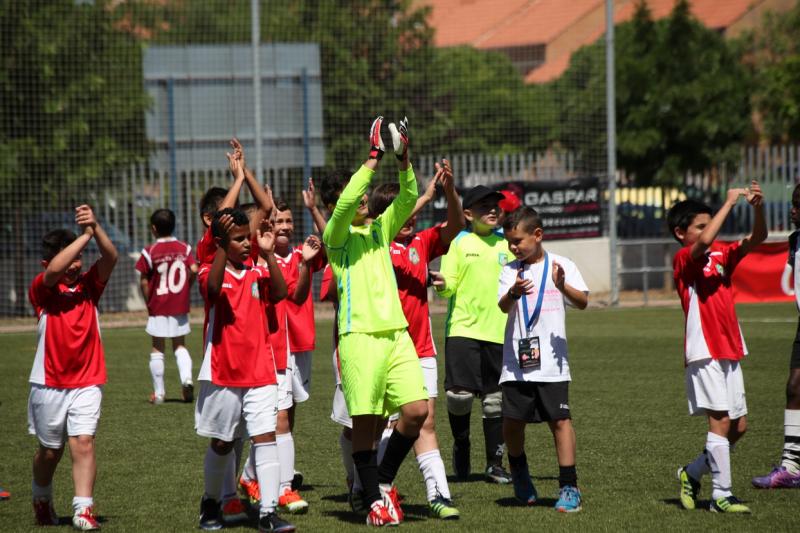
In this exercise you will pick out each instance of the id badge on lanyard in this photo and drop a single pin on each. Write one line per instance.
(528, 349)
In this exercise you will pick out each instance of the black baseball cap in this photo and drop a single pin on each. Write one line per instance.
(478, 193)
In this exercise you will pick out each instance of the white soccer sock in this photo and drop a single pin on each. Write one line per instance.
(346, 447)
(228, 490)
(249, 470)
(45, 493)
(214, 468)
(432, 468)
(383, 443)
(268, 470)
(184, 361)
(791, 440)
(699, 467)
(157, 372)
(285, 444)
(79, 502)
(719, 457)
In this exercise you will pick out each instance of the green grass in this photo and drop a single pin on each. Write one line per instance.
(627, 398)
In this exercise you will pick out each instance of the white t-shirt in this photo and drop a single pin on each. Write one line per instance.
(550, 327)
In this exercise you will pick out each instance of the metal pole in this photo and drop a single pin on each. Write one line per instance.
(611, 148)
(255, 43)
(307, 221)
(173, 166)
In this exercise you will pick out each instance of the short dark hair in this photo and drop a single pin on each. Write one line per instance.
(211, 200)
(163, 220)
(681, 214)
(249, 208)
(239, 219)
(382, 197)
(796, 196)
(525, 218)
(332, 186)
(281, 205)
(55, 241)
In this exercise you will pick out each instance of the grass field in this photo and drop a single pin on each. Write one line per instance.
(627, 398)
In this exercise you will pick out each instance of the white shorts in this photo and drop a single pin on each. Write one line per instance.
(54, 414)
(220, 411)
(302, 376)
(716, 385)
(430, 373)
(339, 413)
(168, 327)
(285, 400)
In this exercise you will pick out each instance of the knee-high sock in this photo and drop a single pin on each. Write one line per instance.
(493, 438)
(396, 450)
(367, 467)
(157, 372)
(719, 454)
(232, 471)
(184, 361)
(285, 444)
(214, 469)
(699, 466)
(432, 468)
(791, 440)
(268, 471)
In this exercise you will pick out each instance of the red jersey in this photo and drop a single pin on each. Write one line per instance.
(327, 284)
(410, 261)
(302, 332)
(278, 336)
(69, 353)
(704, 286)
(237, 352)
(166, 265)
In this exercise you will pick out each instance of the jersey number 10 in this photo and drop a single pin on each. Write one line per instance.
(171, 278)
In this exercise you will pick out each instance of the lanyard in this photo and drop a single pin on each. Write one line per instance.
(531, 319)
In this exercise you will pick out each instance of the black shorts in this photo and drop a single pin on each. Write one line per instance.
(795, 361)
(536, 402)
(472, 365)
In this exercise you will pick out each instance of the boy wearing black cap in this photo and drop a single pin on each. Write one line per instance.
(474, 336)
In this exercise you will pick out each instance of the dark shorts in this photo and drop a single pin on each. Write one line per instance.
(536, 402)
(472, 365)
(795, 361)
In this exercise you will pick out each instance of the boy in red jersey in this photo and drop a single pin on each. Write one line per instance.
(69, 369)
(714, 344)
(238, 378)
(167, 270)
(410, 253)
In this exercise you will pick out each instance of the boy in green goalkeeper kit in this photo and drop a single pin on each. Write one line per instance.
(379, 364)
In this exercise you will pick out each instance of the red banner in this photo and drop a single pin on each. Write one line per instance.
(758, 278)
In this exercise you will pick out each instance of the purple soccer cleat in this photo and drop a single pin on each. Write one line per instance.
(779, 478)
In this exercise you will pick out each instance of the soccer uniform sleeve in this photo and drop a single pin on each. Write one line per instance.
(206, 248)
(202, 281)
(143, 265)
(731, 257)
(338, 228)
(39, 293)
(392, 220)
(451, 264)
(91, 280)
(189, 260)
(432, 237)
(327, 284)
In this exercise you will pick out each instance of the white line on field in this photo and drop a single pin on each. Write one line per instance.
(769, 320)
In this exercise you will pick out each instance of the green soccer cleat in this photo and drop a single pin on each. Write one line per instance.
(728, 504)
(443, 508)
(690, 488)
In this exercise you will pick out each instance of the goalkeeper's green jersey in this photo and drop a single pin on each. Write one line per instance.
(471, 269)
(359, 256)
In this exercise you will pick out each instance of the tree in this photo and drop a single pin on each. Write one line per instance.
(682, 96)
(70, 108)
(775, 57)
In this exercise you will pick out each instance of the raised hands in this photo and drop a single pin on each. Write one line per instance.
(753, 194)
(521, 286)
(399, 134)
(309, 195)
(266, 237)
(85, 219)
(311, 248)
(559, 278)
(377, 147)
(236, 163)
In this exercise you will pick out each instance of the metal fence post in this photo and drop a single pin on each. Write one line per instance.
(611, 149)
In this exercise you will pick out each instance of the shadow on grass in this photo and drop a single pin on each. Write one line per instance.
(472, 478)
(336, 498)
(513, 502)
(700, 505)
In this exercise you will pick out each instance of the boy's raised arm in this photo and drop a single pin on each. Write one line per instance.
(759, 232)
(63, 259)
(338, 228)
(217, 271)
(236, 168)
(710, 232)
(403, 205)
(266, 246)
(310, 201)
(455, 214)
(108, 253)
(311, 248)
